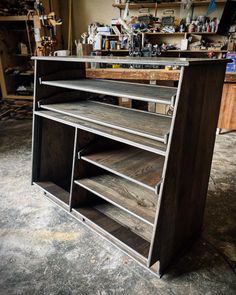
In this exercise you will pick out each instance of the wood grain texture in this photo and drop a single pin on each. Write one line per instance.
(137, 165)
(133, 74)
(157, 94)
(230, 77)
(121, 136)
(134, 199)
(131, 121)
(142, 74)
(183, 193)
(227, 118)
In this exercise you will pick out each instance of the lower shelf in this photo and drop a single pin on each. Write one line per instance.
(57, 194)
(99, 218)
(128, 196)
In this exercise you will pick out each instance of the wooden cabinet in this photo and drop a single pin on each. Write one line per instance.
(138, 179)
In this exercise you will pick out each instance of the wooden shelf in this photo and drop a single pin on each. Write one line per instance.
(121, 136)
(139, 166)
(143, 92)
(120, 235)
(134, 199)
(14, 96)
(165, 4)
(132, 121)
(12, 18)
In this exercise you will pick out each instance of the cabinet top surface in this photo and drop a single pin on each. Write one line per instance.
(133, 60)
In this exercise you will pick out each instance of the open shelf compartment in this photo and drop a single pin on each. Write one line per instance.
(134, 199)
(136, 165)
(137, 91)
(132, 121)
(122, 229)
(55, 193)
(54, 159)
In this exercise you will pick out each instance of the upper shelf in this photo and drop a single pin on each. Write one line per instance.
(118, 135)
(161, 61)
(151, 93)
(132, 121)
(165, 4)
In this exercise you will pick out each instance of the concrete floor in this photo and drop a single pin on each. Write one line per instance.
(43, 250)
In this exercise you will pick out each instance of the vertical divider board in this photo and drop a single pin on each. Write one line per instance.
(79, 196)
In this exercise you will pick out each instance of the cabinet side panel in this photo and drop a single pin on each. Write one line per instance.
(184, 190)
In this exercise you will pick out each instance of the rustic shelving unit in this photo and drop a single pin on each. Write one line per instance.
(13, 59)
(139, 179)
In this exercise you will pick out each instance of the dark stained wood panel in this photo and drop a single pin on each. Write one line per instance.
(115, 231)
(121, 136)
(128, 196)
(141, 123)
(184, 190)
(137, 165)
(150, 93)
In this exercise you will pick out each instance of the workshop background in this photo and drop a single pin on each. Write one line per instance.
(43, 249)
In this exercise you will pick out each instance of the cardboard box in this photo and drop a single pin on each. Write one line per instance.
(231, 67)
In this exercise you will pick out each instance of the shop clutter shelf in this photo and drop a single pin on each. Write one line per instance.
(139, 179)
(165, 4)
(16, 31)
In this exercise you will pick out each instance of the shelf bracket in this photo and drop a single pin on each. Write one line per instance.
(173, 99)
(88, 148)
(166, 138)
(157, 187)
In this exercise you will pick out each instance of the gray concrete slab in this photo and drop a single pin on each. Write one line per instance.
(43, 250)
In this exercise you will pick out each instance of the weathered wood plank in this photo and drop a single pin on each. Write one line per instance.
(156, 94)
(162, 61)
(133, 74)
(141, 123)
(137, 165)
(135, 199)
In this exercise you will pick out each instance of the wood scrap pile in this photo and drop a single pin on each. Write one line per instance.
(18, 109)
